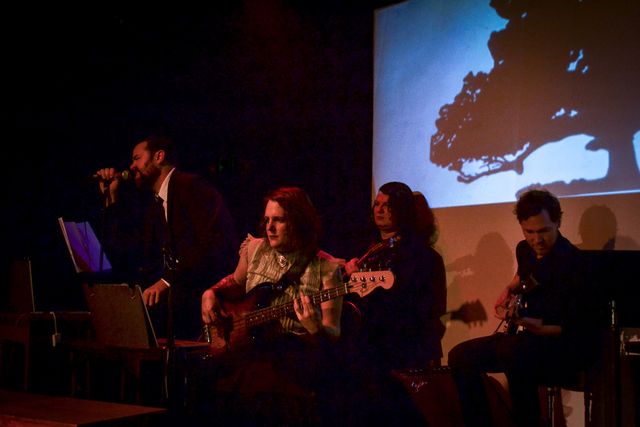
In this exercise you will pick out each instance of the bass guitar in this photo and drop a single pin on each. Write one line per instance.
(238, 327)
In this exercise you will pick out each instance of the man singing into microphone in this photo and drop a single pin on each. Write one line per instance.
(176, 233)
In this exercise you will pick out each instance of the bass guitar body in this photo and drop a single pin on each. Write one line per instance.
(233, 329)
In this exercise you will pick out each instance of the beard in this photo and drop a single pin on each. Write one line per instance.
(148, 176)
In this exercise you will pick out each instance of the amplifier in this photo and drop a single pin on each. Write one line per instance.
(434, 392)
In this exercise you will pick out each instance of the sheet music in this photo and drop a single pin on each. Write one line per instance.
(84, 247)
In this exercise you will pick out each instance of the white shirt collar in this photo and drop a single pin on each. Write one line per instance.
(164, 188)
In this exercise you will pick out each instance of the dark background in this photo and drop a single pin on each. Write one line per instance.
(255, 94)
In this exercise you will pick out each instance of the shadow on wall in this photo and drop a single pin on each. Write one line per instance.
(490, 267)
(598, 229)
(581, 54)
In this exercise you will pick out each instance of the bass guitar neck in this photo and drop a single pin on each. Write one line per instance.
(239, 326)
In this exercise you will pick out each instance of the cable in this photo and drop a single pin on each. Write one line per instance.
(55, 338)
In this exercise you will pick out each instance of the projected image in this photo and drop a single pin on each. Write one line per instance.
(478, 101)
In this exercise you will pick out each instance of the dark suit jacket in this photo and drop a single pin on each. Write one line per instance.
(194, 249)
(201, 231)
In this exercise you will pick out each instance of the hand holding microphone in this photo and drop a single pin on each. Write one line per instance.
(108, 181)
(109, 174)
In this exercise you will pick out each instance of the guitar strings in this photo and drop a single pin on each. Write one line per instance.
(281, 310)
(245, 322)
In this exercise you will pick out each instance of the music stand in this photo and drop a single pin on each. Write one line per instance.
(123, 333)
(119, 316)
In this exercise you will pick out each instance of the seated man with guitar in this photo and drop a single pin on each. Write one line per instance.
(544, 329)
(285, 284)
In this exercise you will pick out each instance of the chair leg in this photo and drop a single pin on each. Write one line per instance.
(551, 394)
(588, 407)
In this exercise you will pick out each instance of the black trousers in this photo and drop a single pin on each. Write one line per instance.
(527, 360)
(284, 384)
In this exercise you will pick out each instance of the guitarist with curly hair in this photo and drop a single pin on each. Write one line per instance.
(546, 332)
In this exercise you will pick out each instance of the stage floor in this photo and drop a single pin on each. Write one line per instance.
(35, 410)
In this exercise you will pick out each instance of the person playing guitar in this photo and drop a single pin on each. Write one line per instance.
(548, 320)
(295, 351)
(511, 307)
(401, 327)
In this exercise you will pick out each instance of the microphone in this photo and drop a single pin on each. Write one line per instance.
(124, 175)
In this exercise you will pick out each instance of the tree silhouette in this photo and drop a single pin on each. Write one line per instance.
(561, 68)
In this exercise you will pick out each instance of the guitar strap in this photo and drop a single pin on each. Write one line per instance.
(292, 276)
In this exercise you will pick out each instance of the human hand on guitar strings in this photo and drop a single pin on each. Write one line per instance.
(507, 307)
(211, 308)
(307, 313)
(502, 306)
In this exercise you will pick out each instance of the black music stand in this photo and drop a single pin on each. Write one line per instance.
(124, 334)
(119, 316)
